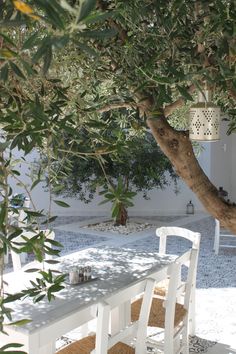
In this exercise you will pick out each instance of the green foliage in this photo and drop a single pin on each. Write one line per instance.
(39, 245)
(12, 346)
(157, 57)
(46, 285)
(137, 160)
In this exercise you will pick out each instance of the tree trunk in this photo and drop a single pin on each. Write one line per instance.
(178, 148)
(122, 216)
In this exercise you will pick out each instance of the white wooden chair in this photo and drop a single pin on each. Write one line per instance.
(170, 311)
(194, 237)
(117, 343)
(227, 236)
(19, 258)
(173, 302)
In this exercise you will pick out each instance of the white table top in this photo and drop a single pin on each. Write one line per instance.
(116, 269)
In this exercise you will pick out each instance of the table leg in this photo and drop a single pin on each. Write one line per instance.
(120, 317)
(47, 349)
(34, 346)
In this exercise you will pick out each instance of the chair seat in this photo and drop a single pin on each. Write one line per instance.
(121, 348)
(86, 345)
(82, 346)
(157, 313)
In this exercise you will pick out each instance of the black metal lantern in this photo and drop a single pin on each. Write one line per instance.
(190, 208)
(204, 119)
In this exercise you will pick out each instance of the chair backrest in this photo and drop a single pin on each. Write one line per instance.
(189, 260)
(17, 258)
(164, 232)
(136, 329)
(189, 286)
(179, 294)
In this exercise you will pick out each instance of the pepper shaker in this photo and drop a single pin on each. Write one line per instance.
(89, 273)
(81, 275)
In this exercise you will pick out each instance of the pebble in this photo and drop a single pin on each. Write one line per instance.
(130, 227)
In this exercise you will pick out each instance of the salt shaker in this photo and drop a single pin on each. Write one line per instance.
(73, 276)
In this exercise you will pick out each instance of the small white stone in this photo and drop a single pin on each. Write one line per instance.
(130, 227)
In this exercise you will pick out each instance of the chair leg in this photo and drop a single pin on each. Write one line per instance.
(177, 343)
(185, 337)
(168, 347)
(192, 314)
(169, 341)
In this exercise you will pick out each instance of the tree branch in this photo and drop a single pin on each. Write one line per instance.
(112, 106)
(232, 93)
(168, 110)
(121, 31)
(97, 152)
(109, 181)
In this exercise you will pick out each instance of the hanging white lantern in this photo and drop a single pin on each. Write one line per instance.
(204, 119)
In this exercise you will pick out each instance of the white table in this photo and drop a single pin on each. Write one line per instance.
(116, 269)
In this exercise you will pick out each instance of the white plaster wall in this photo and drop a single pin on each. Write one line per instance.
(221, 160)
(166, 201)
(233, 168)
(161, 201)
